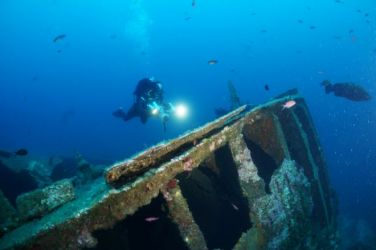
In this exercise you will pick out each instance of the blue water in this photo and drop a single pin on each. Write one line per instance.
(57, 98)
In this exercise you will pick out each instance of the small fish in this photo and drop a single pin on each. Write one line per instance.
(289, 104)
(234, 207)
(366, 14)
(263, 31)
(212, 61)
(59, 37)
(21, 152)
(188, 18)
(351, 31)
(300, 21)
(266, 87)
(312, 27)
(151, 219)
(193, 3)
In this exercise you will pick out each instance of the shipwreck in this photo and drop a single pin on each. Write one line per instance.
(252, 179)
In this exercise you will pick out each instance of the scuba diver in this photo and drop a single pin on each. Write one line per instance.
(349, 91)
(148, 102)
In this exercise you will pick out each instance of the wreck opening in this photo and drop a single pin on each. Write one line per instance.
(14, 183)
(265, 163)
(214, 196)
(149, 228)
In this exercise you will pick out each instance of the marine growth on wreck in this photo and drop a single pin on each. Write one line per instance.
(252, 179)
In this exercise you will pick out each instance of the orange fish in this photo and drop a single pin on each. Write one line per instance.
(289, 104)
(212, 61)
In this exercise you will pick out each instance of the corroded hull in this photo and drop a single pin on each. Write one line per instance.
(248, 180)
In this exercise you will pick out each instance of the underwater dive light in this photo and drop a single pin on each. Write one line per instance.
(154, 108)
(154, 111)
(181, 111)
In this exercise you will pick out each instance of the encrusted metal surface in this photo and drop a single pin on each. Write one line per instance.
(152, 156)
(262, 170)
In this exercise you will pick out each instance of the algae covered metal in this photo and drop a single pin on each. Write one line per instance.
(249, 180)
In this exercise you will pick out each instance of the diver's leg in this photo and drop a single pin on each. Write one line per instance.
(144, 117)
(132, 112)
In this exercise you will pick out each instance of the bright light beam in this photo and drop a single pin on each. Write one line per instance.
(181, 111)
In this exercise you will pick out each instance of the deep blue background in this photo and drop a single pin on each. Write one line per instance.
(59, 103)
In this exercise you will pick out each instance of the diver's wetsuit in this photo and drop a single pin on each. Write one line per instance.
(350, 91)
(147, 92)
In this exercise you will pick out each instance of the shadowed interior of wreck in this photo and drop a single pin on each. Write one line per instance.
(215, 199)
(136, 233)
(14, 183)
(265, 163)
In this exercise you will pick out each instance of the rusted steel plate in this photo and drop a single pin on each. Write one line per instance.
(158, 154)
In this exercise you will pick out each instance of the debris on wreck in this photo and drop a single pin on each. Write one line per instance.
(248, 180)
(233, 98)
(36, 203)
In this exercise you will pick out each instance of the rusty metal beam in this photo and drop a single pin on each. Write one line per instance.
(151, 157)
(127, 186)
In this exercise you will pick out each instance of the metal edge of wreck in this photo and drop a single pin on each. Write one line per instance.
(144, 160)
(110, 206)
(116, 198)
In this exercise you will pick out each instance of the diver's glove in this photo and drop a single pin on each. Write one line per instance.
(154, 108)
